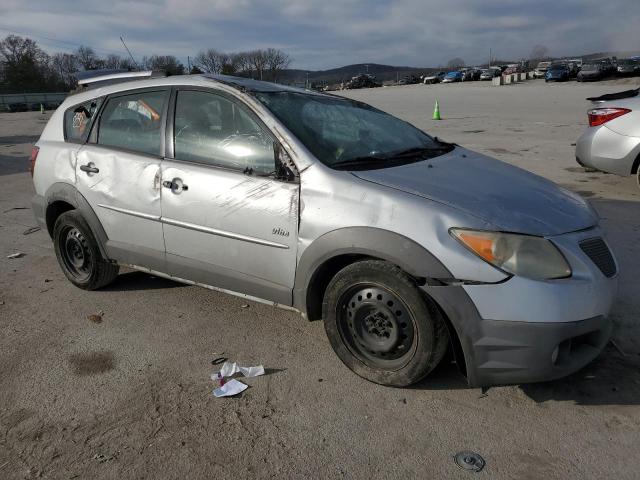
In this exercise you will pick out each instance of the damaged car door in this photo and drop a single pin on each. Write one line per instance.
(230, 219)
(118, 173)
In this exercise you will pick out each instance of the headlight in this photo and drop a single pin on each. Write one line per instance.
(523, 255)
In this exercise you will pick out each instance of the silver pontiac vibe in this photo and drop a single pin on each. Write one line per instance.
(403, 244)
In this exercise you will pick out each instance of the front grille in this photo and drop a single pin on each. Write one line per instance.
(599, 253)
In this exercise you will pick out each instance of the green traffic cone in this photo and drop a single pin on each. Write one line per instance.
(436, 112)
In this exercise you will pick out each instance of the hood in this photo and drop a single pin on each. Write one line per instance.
(509, 198)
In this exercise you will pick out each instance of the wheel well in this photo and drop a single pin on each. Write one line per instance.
(54, 210)
(323, 275)
(636, 164)
(454, 340)
(321, 278)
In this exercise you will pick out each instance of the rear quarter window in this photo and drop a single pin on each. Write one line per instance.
(78, 120)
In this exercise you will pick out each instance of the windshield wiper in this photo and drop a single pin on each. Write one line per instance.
(360, 161)
(421, 151)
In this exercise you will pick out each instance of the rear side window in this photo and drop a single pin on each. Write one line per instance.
(133, 122)
(78, 120)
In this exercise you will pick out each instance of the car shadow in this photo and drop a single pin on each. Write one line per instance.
(611, 379)
(131, 281)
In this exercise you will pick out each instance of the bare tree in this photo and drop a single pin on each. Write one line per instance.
(211, 60)
(241, 62)
(257, 62)
(170, 64)
(86, 57)
(538, 52)
(455, 63)
(113, 61)
(65, 65)
(276, 61)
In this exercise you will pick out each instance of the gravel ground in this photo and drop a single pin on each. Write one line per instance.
(130, 396)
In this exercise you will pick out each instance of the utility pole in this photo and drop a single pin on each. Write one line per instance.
(189, 64)
(489, 57)
(129, 52)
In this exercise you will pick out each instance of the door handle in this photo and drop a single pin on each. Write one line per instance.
(89, 168)
(176, 185)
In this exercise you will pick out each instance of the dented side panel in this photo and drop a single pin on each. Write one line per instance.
(232, 222)
(125, 194)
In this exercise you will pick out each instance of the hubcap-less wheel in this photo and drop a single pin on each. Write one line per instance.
(377, 327)
(75, 253)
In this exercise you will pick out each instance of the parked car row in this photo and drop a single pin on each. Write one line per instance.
(563, 70)
(462, 75)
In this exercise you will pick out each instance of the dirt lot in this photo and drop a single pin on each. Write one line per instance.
(130, 397)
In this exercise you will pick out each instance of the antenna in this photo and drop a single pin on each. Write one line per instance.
(129, 52)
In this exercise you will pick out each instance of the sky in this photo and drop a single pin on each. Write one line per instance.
(322, 34)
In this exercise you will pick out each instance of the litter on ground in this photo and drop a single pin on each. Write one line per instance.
(232, 387)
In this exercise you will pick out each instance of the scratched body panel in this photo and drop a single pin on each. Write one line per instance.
(247, 224)
(333, 199)
(126, 181)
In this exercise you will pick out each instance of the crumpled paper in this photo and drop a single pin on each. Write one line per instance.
(233, 386)
(229, 369)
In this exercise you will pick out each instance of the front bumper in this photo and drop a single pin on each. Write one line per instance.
(521, 330)
(603, 149)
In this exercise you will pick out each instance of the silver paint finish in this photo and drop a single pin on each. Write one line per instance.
(461, 189)
(511, 199)
(211, 287)
(249, 209)
(614, 146)
(133, 213)
(127, 182)
(586, 294)
(222, 233)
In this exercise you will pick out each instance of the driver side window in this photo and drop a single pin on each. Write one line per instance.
(210, 129)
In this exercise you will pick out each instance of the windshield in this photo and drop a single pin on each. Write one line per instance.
(342, 132)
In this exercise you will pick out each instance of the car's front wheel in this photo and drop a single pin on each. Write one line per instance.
(381, 325)
(78, 253)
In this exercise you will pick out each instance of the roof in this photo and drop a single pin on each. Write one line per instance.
(252, 85)
(94, 78)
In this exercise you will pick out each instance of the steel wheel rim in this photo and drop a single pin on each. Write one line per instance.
(377, 327)
(75, 253)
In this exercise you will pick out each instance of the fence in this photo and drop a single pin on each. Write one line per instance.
(16, 102)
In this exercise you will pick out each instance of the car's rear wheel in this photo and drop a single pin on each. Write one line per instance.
(381, 325)
(78, 253)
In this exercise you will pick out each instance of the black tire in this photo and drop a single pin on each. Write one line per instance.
(78, 253)
(381, 325)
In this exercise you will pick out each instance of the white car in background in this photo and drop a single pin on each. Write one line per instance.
(612, 141)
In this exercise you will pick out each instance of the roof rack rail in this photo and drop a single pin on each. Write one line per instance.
(99, 78)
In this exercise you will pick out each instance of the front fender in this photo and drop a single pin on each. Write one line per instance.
(366, 241)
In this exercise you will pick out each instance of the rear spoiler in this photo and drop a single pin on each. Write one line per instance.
(99, 78)
(615, 96)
